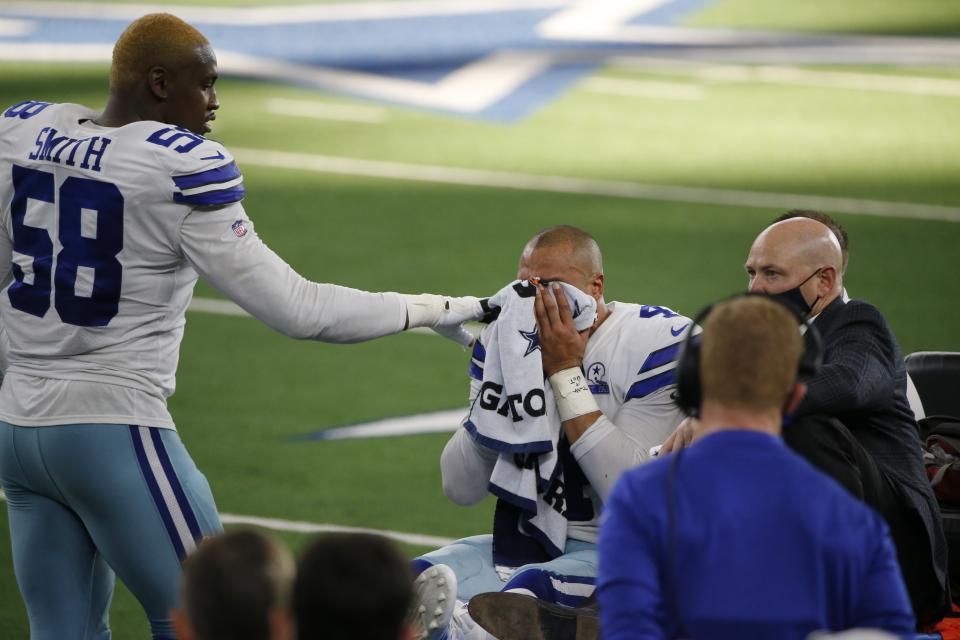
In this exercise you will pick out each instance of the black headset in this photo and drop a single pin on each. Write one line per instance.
(689, 392)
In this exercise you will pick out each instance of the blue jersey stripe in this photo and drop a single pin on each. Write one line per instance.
(479, 352)
(225, 173)
(544, 585)
(188, 515)
(661, 357)
(155, 492)
(644, 388)
(221, 196)
(475, 371)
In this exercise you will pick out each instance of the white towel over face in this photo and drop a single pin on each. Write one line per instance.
(514, 413)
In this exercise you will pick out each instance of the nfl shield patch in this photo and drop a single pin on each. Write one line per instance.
(239, 229)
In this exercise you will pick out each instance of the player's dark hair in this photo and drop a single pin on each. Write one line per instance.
(351, 586)
(838, 231)
(232, 584)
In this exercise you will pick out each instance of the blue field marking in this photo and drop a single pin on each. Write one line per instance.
(418, 52)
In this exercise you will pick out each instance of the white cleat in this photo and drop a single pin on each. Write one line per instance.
(435, 594)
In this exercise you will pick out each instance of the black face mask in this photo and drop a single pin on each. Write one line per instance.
(794, 298)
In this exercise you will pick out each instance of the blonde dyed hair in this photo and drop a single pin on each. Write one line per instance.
(750, 352)
(157, 39)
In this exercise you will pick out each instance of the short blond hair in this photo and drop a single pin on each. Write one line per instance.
(750, 353)
(157, 39)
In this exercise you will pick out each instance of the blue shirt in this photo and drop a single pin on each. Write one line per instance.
(764, 546)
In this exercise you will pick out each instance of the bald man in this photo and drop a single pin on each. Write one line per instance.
(855, 423)
(106, 221)
(629, 356)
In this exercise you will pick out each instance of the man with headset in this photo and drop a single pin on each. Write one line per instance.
(738, 536)
(855, 423)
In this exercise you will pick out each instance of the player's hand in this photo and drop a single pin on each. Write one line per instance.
(561, 345)
(681, 437)
(444, 314)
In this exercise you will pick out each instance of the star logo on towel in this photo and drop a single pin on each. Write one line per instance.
(576, 309)
(533, 341)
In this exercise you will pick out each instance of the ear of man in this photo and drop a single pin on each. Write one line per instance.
(794, 398)
(158, 81)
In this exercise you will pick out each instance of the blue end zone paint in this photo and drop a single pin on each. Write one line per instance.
(538, 92)
(423, 49)
(671, 13)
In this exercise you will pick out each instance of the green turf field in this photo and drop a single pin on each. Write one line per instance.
(245, 392)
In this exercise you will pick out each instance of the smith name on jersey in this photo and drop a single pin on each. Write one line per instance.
(95, 284)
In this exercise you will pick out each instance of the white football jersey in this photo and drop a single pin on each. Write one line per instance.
(630, 362)
(102, 234)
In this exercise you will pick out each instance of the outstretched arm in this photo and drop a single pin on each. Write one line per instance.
(248, 272)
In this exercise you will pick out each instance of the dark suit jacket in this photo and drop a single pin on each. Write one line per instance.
(863, 383)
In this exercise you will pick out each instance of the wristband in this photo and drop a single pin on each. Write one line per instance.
(572, 394)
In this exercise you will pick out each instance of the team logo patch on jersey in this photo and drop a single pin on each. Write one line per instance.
(597, 374)
(239, 229)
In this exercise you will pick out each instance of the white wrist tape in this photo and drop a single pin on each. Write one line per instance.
(572, 394)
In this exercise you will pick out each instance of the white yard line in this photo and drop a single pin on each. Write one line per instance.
(854, 81)
(299, 526)
(296, 526)
(586, 186)
(326, 110)
(645, 89)
(445, 421)
(219, 307)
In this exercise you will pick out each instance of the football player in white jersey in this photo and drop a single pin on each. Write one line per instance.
(106, 220)
(629, 356)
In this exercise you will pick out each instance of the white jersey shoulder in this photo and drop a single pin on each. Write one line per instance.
(634, 352)
(164, 163)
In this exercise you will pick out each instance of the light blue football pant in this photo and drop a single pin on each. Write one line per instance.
(88, 501)
(568, 579)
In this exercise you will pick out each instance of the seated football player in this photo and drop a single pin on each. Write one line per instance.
(107, 219)
(567, 392)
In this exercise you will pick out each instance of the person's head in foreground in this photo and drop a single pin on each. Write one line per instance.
(236, 585)
(798, 260)
(163, 69)
(750, 351)
(352, 586)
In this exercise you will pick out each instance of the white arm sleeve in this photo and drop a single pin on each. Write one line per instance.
(610, 447)
(248, 272)
(465, 465)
